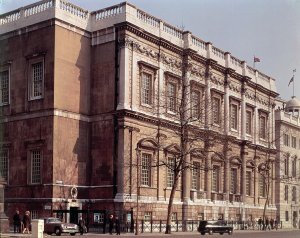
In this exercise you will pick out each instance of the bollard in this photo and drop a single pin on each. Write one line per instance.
(37, 228)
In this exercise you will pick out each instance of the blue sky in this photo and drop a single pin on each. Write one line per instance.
(268, 29)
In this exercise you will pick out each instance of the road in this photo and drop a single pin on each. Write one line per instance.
(236, 234)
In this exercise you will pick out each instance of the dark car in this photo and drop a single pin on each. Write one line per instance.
(55, 225)
(211, 227)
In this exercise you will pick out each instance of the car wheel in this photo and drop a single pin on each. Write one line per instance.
(72, 234)
(230, 232)
(49, 233)
(202, 233)
(57, 231)
(210, 232)
(221, 233)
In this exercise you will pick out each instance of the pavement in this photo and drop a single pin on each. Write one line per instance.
(157, 234)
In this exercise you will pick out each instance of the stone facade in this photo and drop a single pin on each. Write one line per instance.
(287, 172)
(116, 85)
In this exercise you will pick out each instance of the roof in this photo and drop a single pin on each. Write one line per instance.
(294, 103)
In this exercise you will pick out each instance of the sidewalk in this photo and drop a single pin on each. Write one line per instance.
(20, 235)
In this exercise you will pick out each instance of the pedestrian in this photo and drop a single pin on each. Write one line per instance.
(17, 222)
(81, 225)
(117, 226)
(267, 224)
(26, 222)
(272, 223)
(111, 223)
(259, 223)
(104, 224)
(276, 224)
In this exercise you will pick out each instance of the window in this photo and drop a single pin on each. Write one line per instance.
(262, 186)
(286, 192)
(170, 171)
(286, 166)
(248, 122)
(294, 167)
(215, 178)
(101, 217)
(4, 87)
(174, 216)
(200, 216)
(35, 156)
(286, 215)
(233, 187)
(147, 216)
(196, 106)
(4, 164)
(34, 214)
(146, 89)
(286, 140)
(37, 80)
(234, 116)
(216, 104)
(248, 183)
(262, 127)
(145, 169)
(294, 143)
(171, 97)
(294, 194)
(195, 175)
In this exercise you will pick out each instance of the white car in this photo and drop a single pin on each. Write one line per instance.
(55, 225)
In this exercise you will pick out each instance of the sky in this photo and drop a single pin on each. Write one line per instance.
(267, 29)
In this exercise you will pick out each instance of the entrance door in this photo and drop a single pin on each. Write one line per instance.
(74, 215)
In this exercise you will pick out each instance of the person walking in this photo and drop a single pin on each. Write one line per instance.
(17, 222)
(26, 222)
(259, 223)
(272, 223)
(267, 224)
(111, 223)
(276, 224)
(81, 225)
(117, 225)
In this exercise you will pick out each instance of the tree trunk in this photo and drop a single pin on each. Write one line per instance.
(170, 205)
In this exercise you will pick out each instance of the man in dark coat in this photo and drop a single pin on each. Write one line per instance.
(117, 226)
(17, 222)
(111, 223)
(81, 225)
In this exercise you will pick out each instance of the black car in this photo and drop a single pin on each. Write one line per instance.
(211, 227)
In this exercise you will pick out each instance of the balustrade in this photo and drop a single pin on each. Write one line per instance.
(172, 30)
(143, 16)
(38, 7)
(217, 52)
(199, 43)
(109, 12)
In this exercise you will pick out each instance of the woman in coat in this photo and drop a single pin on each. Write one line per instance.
(26, 222)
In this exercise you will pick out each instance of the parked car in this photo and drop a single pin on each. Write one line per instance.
(210, 227)
(55, 225)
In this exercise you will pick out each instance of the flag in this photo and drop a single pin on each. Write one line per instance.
(292, 80)
(256, 59)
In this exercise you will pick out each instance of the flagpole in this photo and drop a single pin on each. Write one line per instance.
(293, 84)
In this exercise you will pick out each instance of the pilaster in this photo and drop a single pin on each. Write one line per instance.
(124, 77)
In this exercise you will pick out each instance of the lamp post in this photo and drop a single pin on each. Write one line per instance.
(138, 154)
